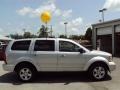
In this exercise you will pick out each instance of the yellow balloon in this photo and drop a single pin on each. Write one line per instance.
(46, 17)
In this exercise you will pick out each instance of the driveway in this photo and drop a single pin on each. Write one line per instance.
(60, 81)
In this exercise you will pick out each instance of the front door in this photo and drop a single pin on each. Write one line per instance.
(45, 55)
(69, 57)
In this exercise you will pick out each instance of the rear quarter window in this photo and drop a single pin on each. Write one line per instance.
(21, 45)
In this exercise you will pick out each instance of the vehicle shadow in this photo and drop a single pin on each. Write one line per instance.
(47, 77)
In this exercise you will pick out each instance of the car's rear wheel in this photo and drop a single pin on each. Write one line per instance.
(98, 72)
(26, 73)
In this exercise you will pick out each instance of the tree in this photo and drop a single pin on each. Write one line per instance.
(88, 34)
(43, 32)
(27, 35)
(74, 37)
(62, 36)
(82, 37)
(16, 36)
(34, 36)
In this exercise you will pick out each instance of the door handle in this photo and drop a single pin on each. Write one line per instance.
(35, 54)
(63, 55)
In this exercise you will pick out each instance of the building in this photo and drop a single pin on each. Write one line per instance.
(106, 36)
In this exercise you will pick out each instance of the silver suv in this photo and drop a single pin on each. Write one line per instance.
(28, 56)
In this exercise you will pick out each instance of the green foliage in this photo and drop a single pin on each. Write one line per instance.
(27, 35)
(16, 36)
(62, 36)
(43, 32)
(88, 34)
(76, 37)
(34, 36)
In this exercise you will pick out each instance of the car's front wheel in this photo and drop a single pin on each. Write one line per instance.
(98, 72)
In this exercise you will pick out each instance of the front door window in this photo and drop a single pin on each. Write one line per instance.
(65, 46)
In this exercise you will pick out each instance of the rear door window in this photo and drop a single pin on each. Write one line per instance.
(44, 45)
(21, 45)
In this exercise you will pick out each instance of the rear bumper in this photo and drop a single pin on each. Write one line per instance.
(112, 66)
(7, 67)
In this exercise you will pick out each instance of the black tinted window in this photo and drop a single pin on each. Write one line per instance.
(68, 47)
(44, 45)
(21, 45)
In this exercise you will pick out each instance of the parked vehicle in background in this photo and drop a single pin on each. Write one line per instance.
(28, 56)
(2, 51)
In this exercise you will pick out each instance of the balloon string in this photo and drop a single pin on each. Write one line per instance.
(46, 30)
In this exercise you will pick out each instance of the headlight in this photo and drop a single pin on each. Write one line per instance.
(110, 58)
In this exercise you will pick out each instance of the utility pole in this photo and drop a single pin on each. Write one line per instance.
(102, 11)
(24, 30)
(66, 28)
(51, 30)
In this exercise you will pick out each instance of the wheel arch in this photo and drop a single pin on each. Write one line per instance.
(24, 63)
(96, 60)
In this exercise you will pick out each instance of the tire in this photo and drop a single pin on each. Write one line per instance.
(97, 72)
(26, 73)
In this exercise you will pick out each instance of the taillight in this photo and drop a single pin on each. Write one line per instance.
(4, 56)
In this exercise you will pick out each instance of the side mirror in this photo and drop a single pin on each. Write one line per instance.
(81, 50)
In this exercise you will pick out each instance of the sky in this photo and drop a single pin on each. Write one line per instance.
(16, 15)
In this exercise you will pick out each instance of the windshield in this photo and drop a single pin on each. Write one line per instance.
(87, 50)
(81, 46)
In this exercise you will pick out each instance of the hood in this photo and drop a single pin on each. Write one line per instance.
(95, 52)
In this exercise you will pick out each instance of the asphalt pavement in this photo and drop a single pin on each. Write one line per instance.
(60, 81)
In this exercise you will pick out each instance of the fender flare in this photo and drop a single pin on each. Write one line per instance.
(95, 59)
(27, 59)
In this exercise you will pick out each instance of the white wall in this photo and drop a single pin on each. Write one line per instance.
(104, 31)
(117, 28)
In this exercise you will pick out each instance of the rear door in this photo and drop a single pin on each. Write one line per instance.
(45, 55)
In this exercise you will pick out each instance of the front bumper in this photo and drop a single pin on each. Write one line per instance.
(112, 66)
